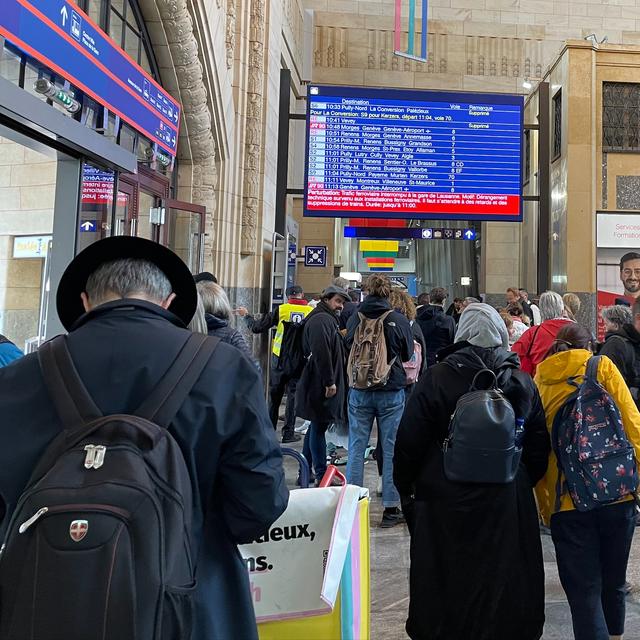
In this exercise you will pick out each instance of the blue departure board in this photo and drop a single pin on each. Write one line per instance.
(390, 153)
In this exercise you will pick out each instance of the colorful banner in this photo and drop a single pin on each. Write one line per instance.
(414, 28)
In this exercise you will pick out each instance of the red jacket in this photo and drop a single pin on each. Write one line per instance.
(533, 346)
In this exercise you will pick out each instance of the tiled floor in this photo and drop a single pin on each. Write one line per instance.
(390, 571)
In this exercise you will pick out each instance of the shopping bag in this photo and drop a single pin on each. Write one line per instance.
(310, 573)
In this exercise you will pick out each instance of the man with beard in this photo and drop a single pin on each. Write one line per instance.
(630, 275)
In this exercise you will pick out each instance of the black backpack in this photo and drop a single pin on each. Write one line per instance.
(99, 545)
(483, 444)
(292, 359)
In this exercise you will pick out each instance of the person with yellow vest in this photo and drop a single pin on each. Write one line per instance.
(592, 546)
(295, 309)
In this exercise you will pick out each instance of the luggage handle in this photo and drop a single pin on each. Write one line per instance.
(331, 473)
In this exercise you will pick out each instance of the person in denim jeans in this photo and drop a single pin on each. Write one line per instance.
(384, 403)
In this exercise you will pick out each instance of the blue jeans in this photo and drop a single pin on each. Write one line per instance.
(592, 551)
(364, 406)
(314, 448)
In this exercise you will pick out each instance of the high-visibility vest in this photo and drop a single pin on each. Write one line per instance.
(288, 313)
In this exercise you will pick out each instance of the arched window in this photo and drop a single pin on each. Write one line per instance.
(122, 20)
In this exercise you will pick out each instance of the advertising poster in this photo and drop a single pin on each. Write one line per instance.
(618, 276)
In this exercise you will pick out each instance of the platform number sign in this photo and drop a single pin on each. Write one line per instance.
(315, 256)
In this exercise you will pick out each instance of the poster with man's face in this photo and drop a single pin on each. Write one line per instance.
(618, 257)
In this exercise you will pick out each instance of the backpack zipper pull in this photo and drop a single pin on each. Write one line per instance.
(95, 456)
(90, 457)
(100, 451)
(33, 519)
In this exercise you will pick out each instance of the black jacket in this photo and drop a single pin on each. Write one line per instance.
(398, 336)
(476, 558)
(122, 350)
(220, 329)
(345, 315)
(623, 347)
(323, 348)
(439, 330)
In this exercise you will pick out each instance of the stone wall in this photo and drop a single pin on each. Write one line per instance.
(27, 192)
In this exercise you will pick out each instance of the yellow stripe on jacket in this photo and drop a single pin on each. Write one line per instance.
(551, 380)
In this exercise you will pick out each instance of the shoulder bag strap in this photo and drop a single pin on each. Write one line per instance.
(70, 397)
(164, 402)
(528, 354)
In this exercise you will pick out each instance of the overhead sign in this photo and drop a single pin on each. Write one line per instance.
(315, 256)
(409, 232)
(62, 37)
(31, 246)
(618, 231)
(388, 153)
(89, 226)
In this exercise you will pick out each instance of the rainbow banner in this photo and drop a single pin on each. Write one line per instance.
(379, 245)
(415, 30)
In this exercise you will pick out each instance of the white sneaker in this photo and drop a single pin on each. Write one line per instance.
(379, 487)
(304, 427)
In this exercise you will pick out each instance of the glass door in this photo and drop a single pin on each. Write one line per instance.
(149, 219)
(125, 207)
(184, 232)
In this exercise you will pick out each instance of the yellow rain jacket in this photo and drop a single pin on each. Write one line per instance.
(551, 380)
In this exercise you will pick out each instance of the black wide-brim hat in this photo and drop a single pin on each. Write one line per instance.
(74, 279)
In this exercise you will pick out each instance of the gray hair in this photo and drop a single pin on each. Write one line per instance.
(343, 283)
(214, 300)
(618, 314)
(126, 278)
(198, 323)
(551, 305)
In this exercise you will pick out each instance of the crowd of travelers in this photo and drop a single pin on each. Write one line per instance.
(492, 425)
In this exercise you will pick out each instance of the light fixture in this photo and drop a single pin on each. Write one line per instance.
(59, 96)
(527, 84)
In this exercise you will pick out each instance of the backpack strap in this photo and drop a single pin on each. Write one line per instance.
(164, 402)
(592, 368)
(74, 405)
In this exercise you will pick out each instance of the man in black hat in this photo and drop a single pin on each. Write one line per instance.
(126, 303)
(296, 309)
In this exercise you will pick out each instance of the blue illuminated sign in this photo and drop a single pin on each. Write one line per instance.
(62, 37)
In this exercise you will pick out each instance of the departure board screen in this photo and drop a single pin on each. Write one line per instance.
(386, 153)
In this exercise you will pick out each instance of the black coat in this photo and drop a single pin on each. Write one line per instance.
(476, 558)
(397, 334)
(323, 348)
(220, 329)
(623, 347)
(121, 351)
(439, 330)
(345, 315)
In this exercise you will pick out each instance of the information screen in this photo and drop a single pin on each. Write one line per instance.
(385, 153)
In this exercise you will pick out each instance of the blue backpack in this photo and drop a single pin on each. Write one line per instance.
(593, 452)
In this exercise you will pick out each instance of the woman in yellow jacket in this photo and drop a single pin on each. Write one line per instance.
(592, 547)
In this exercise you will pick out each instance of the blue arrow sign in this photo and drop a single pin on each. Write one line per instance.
(469, 234)
(61, 36)
(89, 226)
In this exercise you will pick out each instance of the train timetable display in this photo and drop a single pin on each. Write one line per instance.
(413, 154)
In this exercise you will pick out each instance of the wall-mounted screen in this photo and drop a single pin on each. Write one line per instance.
(389, 153)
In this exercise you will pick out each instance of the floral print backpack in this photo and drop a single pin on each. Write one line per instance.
(595, 458)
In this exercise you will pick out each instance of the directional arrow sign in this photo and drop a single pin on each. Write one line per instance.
(64, 14)
(88, 225)
(469, 234)
(427, 234)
